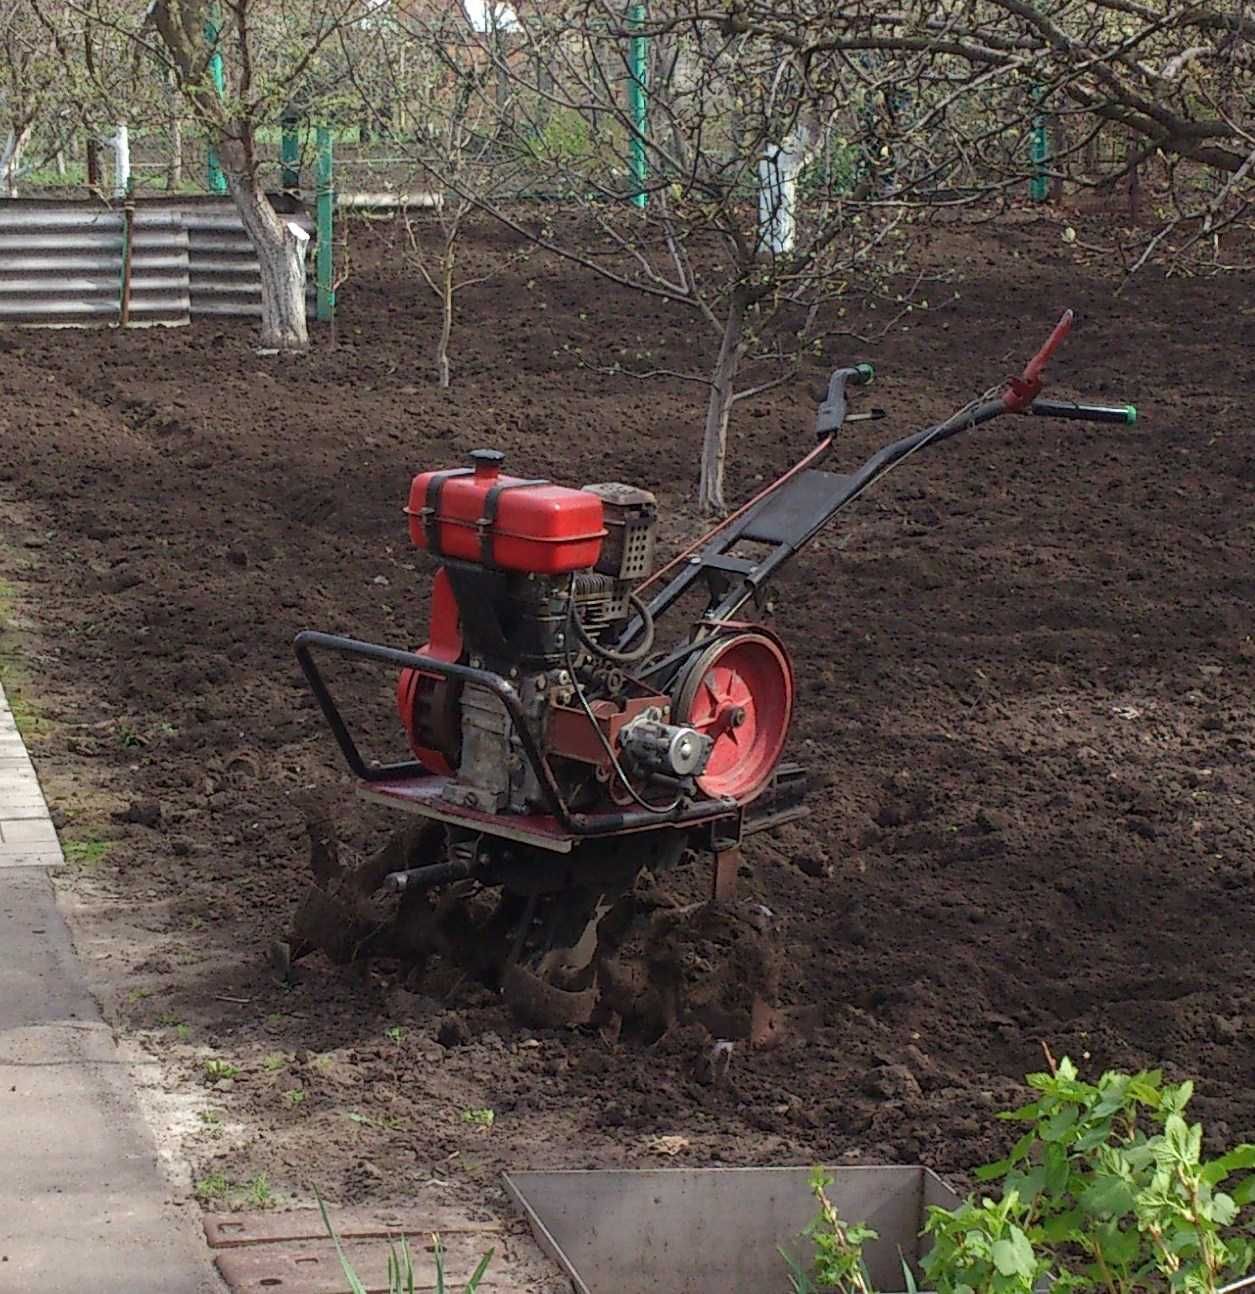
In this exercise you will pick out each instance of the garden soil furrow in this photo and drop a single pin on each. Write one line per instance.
(1024, 674)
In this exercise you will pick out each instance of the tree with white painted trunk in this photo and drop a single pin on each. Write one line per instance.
(732, 123)
(272, 52)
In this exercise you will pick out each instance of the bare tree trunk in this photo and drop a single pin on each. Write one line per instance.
(280, 255)
(11, 157)
(719, 408)
(174, 167)
(446, 314)
(93, 162)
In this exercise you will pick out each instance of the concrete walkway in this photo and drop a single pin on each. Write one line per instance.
(83, 1203)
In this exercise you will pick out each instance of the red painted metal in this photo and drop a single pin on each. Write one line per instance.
(414, 685)
(743, 699)
(534, 526)
(1023, 390)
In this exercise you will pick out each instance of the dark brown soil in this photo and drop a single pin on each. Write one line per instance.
(1024, 674)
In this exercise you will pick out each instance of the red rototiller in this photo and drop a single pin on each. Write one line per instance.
(566, 752)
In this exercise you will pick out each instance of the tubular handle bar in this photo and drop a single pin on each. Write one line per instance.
(1125, 414)
(787, 518)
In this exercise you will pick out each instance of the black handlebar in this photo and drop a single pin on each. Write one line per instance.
(1125, 414)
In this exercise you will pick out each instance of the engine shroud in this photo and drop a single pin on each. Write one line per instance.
(535, 588)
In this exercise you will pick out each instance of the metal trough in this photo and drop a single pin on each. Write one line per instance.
(697, 1231)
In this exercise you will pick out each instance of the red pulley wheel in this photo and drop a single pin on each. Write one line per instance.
(739, 692)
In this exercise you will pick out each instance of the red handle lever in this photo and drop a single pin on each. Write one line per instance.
(1023, 390)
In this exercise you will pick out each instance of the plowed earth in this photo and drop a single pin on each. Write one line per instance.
(1024, 678)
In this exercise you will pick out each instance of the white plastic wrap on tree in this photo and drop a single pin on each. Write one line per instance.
(778, 175)
(121, 161)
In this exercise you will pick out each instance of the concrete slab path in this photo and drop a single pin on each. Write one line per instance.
(83, 1202)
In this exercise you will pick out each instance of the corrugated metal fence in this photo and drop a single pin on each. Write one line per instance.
(61, 263)
(222, 266)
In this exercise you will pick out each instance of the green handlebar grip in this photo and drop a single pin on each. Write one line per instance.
(1130, 414)
(867, 372)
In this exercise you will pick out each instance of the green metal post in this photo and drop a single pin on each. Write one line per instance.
(326, 209)
(290, 153)
(1039, 153)
(217, 180)
(637, 52)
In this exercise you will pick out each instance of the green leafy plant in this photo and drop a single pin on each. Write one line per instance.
(983, 1246)
(128, 737)
(294, 1096)
(480, 1118)
(1106, 1191)
(216, 1069)
(838, 1258)
(259, 1192)
(401, 1274)
(1112, 1172)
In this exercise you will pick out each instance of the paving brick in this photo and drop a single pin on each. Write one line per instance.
(29, 858)
(23, 808)
(26, 831)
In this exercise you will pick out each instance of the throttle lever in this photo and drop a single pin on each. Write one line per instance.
(1023, 390)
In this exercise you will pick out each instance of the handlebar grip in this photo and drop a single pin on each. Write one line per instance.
(1126, 414)
(831, 412)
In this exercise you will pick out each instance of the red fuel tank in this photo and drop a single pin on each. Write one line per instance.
(477, 514)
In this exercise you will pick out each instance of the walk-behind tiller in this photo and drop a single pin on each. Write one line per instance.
(564, 755)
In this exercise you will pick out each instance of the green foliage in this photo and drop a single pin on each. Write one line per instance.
(87, 852)
(838, 1262)
(401, 1274)
(982, 1246)
(1106, 1191)
(563, 139)
(481, 1118)
(213, 1187)
(216, 1069)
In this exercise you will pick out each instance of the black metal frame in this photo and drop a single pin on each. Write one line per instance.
(578, 824)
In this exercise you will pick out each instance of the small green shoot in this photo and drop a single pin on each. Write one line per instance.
(128, 738)
(274, 1063)
(216, 1069)
(396, 1033)
(294, 1095)
(87, 852)
(259, 1192)
(402, 1278)
(480, 1118)
(213, 1187)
